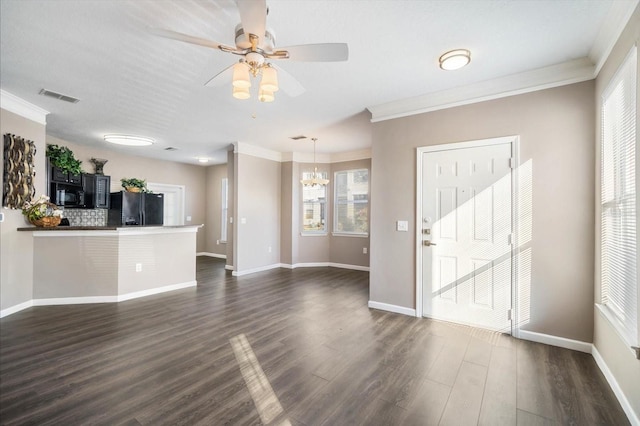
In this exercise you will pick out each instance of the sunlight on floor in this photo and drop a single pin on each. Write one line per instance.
(264, 398)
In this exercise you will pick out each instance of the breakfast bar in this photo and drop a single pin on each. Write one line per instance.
(111, 264)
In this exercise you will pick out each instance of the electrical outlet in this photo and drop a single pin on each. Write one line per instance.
(402, 225)
(138, 267)
(269, 249)
(218, 242)
(364, 250)
(243, 220)
(188, 218)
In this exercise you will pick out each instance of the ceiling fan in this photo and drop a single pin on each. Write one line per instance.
(255, 44)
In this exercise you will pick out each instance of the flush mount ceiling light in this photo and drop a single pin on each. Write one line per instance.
(316, 178)
(455, 59)
(128, 140)
(203, 159)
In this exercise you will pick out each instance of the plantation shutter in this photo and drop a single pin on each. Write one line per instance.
(618, 195)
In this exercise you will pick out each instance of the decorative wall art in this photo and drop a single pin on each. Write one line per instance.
(19, 171)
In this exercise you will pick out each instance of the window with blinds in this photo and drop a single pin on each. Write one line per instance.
(618, 196)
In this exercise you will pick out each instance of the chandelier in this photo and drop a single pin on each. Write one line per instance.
(316, 178)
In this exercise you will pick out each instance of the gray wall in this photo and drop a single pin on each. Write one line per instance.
(213, 216)
(258, 203)
(615, 352)
(157, 171)
(16, 248)
(557, 180)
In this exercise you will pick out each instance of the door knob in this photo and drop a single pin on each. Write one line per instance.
(428, 243)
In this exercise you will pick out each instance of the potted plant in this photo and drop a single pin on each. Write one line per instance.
(42, 213)
(134, 184)
(63, 158)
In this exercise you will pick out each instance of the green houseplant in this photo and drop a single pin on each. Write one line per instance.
(63, 158)
(134, 184)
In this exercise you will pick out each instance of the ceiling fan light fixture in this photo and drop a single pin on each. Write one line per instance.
(269, 81)
(241, 78)
(266, 96)
(241, 92)
(128, 140)
(455, 59)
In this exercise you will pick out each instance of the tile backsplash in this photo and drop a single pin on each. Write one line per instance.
(86, 217)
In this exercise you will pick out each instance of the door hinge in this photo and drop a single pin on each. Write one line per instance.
(512, 163)
(510, 239)
(509, 315)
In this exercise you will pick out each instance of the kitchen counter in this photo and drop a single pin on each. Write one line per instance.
(98, 264)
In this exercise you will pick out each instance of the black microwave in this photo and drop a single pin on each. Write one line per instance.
(70, 197)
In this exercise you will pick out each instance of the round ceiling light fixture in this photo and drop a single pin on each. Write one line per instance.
(203, 159)
(455, 59)
(128, 140)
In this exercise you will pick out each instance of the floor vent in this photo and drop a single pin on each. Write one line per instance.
(45, 92)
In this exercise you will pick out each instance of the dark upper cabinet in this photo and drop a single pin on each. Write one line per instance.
(60, 176)
(96, 190)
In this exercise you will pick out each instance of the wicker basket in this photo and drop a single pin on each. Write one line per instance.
(47, 222)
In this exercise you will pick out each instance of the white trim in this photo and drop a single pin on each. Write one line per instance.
(514, 141)
(256, 151)
(560, 342)
(149, 292)
(74, 300)
(228, 267)
(618, 16)
(258, 269)
(119, 231)
(350, 234)
(307, 265)
(208, 254)
(169, 187)
(345, 266)
(16, 308)
(23, 108)
(615, 324)
(530, 81)
(339, 157)
(392, 308)
(611, 379)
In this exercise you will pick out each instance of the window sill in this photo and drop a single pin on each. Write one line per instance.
(346, 234)
(223, 241)
(315, 234)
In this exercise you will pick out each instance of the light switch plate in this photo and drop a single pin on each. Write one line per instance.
(243, 220)
(402, 225)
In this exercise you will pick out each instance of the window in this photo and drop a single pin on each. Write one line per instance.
(314, 206)
(351, 214)
(224, 203)
(618, 197)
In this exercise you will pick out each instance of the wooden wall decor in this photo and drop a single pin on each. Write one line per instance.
(19, 171)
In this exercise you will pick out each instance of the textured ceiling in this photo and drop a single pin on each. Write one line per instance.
(129, 81)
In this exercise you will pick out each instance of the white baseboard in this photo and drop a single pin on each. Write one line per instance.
(228, 267)
(324, 265)
(392, 308)
(254, 270)
(208, 254)
(94, 299)
(622, 399)
(16, 308)
(561, 342)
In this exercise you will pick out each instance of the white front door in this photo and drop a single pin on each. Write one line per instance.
(466, 235)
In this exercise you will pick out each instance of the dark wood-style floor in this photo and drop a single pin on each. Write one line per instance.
(285, 348)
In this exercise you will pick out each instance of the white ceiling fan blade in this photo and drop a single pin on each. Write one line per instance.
(221, 78)
(288, 83)
(189, 39)
(253, 15)
(324, 52)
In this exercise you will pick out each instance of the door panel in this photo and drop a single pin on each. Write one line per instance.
(467, 218)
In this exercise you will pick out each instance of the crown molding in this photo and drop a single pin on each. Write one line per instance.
(614, 23)
(23, 108)
(256, 151)
(363, 154)
(557, 75)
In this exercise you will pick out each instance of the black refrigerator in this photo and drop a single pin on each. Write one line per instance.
(136, 208)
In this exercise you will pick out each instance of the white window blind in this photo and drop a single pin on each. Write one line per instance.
(618, 195)
(224, 203)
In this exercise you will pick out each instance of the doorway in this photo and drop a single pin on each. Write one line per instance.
(173, 202)
(465, 238)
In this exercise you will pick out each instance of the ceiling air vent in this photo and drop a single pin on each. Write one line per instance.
(297, 138)
(45, 92)
(170, 148)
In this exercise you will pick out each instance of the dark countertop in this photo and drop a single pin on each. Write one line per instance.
(98, 228)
